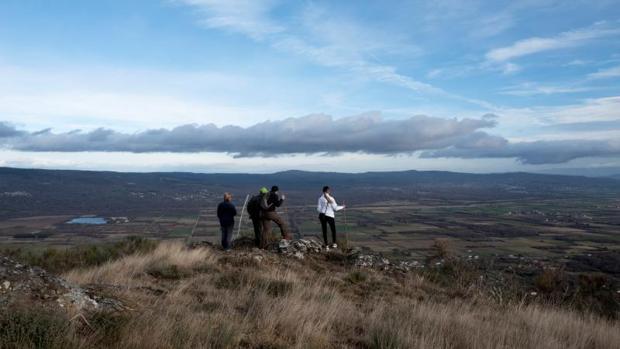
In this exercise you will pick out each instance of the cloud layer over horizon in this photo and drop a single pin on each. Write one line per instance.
(318, 134)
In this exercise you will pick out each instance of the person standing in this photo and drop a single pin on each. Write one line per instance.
(327, 207)
(226, 213)
(254, 210)
(269, 203)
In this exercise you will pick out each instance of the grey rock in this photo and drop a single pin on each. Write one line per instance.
(301, 247)
(36, 286)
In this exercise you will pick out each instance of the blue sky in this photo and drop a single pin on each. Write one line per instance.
(262, 86)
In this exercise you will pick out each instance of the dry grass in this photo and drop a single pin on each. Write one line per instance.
(231, 301)
(131, 270)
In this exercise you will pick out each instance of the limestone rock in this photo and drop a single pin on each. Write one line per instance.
(24, 284)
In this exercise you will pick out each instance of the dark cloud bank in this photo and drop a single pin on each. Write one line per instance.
(317, 134)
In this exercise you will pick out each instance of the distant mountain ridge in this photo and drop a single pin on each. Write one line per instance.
(12, 176)
(609, 171)
(41, 192)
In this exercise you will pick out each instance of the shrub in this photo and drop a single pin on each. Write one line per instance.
(356, 277)
(34, 328)
(337, 257)
(61, 260)
(550, 280)
(441, 248)
(167, 271)
(107, 327)
(455, 275)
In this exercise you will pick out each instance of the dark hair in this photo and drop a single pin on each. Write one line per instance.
(325, 188)
(275, 188)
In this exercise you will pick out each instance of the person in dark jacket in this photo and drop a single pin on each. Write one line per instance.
(270, 202)
(226, 213)
(254, 210)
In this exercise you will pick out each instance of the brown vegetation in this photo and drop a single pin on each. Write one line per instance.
(205, 298)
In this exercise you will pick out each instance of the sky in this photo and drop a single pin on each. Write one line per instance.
(349, 86)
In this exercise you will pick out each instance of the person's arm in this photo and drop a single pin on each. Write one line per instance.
(279, 200)
(319, 206)
(335, 205)
(234, 209)
(219, 211)
(263, 203)
(328, 198)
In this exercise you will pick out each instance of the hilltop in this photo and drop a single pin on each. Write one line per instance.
(178, 296)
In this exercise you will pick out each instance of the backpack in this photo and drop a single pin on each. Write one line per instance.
(273, 200)
(254, 206)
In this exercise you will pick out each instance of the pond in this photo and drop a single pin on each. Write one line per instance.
(88, 220)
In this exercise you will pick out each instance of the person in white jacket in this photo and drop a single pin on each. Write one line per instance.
(327, 207)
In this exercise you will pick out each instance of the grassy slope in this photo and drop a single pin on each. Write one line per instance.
(206, 298)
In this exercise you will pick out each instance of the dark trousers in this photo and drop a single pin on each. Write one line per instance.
(332, 225)
(258, 227)
(267, 218)
(227, 233)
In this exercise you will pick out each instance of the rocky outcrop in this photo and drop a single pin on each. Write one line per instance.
(21, 284)
(302, 247)
(299, 248)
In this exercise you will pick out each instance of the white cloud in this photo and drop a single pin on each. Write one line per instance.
(510, 68)
(533, 89)
(563, 40)
(518, 123)
(608, 73)
(576, 62)
(334, 42)
(492, 25)
(248, 17)
(596, 109)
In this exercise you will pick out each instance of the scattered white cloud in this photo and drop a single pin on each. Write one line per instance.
(576, 62)
(337, 42)
(510, 68)
(434, 73)
(248, 17)
(534, 89)
(613, 72)
(522, 121)
(563, 40)
(493, 25)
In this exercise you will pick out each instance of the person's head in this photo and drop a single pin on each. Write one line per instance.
(227, 197)
(326, 190)
(263, 191)
(275, 188)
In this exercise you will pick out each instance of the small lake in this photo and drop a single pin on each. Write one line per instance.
(88, 220)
